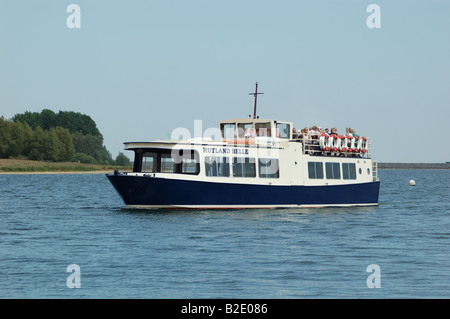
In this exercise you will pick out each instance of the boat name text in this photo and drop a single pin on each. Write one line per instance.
(224, 150)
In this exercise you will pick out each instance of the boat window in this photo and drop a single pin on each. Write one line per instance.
(186, 161)
(283, 130)
(333, 170)
(246, 130)
(315, 170)
(268, 168)
(348, 171)
(217, 166)
(189, 166)
(167, 164)
(169, 161)
(263, 129)
(149, 161)
(244, 167)
(228, 130)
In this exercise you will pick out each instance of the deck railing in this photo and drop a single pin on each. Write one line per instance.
(375, 171)
(315, 146)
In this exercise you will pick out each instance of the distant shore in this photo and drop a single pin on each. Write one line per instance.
(414, 165)
(24, 166)
(54, 172)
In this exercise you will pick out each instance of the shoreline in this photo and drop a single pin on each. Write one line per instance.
(55, 172)
(112, 171)
(413, 165)
(27, 167)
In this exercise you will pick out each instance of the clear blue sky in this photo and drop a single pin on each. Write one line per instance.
(143, 68)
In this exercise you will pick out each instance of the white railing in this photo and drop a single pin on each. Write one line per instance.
(375, 171)
(323, 147)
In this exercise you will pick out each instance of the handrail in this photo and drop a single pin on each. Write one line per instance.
(375, 171)
(312, 146)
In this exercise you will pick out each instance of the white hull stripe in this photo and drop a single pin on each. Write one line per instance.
(244, 206)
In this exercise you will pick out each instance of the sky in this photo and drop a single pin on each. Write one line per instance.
(142, 69)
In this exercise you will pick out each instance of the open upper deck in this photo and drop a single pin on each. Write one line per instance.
(271, 133)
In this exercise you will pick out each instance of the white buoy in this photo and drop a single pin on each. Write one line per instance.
(412, 183)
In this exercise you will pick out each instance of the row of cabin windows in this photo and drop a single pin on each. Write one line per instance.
(332, 170)
(188, 163)
(166, 162)
(242, 167)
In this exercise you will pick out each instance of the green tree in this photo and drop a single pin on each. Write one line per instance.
(77, 122)
(87, 144)
(47, 119)
(103, 156)
(33, 119)
(17, 139)
(93, 146)
(47, 135)
(122, 160)
(66, 149)
(37, 145)
(28, 134)
(51, 146)
(5, 137)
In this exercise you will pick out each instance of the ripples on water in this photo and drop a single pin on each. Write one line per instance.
(51, 221)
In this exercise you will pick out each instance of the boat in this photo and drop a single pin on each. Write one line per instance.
(256, 163)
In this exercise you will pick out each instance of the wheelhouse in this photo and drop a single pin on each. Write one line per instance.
(236, 130)
(166, 160)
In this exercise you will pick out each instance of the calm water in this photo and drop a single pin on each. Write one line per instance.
(49, 222)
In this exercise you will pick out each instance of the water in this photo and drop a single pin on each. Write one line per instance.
(49, 222)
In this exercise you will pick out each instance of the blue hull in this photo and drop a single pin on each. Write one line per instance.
(159, 192)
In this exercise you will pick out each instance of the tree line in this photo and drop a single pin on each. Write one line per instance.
(50, 136)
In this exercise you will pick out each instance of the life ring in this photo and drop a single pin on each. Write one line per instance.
(344, 142)
(364, 145)
(336, 142)
(351, 142)
(328, 142)
(322, 142)
(355, 142)
(360, 144)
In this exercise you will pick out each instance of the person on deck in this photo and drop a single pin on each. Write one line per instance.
(348, 132)
(333, 131)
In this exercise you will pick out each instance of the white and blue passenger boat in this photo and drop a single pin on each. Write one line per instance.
(256, 163)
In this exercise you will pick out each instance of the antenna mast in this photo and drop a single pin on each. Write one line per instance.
(255, 94)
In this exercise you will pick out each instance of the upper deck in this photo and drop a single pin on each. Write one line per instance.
(271, 133)
(252, 128)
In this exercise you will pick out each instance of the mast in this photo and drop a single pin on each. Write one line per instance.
(255, 94)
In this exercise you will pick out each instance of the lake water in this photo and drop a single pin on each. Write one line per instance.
(48, 222)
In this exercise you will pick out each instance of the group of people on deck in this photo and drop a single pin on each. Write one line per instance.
(311, 136)
(315, 132)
